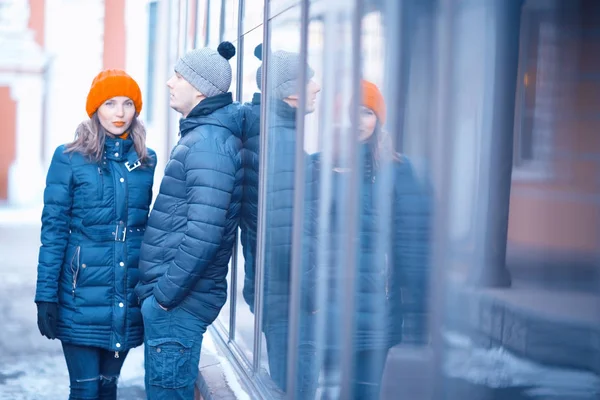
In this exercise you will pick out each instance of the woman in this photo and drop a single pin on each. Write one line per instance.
(96, 202)
(391, 254)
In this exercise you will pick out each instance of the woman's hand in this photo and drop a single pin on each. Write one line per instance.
(47, 319)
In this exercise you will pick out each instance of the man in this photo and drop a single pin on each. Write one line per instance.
(191, 230)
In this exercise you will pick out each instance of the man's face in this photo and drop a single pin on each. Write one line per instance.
(312, 88)
(183, 96)
(311, 96)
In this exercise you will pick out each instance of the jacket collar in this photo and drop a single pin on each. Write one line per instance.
(117, 149)
(284, 113)
(256, 99)
(203, 109)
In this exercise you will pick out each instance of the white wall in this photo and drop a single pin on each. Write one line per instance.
(75, 47)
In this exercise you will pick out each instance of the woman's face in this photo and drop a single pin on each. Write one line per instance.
(367, 123)
(116, 114)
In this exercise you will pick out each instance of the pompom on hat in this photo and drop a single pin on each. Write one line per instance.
(112, 83)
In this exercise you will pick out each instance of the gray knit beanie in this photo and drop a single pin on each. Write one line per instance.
(284, 73)
(207, 70)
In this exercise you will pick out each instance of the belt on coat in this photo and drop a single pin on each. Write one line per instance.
(108, 233)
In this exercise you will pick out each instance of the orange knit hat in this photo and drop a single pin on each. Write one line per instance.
(111, 83)
(373, 99)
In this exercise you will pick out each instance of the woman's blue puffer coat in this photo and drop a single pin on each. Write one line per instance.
(93, 222)
(391, 253)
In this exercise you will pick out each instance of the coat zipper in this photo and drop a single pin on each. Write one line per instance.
(126, 215)
(100, 183)
(75, 271)
(126, 190)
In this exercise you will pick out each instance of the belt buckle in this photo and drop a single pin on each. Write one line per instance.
(120, 228)
(131, 167)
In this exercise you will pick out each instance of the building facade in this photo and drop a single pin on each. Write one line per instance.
(495, 104)
(46, 66)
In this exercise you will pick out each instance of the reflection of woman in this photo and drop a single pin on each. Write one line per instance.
(98, 193)
(392, 257)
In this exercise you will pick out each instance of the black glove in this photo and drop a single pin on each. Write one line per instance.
(47, 319)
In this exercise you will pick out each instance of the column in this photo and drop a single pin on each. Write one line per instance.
(21, 67)
(496, 141)
(26, 175)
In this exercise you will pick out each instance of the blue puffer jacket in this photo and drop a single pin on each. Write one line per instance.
(248, 222)
(93, 222)
(191, 231)
(391, 255)
(280, 177)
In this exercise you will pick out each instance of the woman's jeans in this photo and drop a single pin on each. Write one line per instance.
(93, 372)
(368, 368)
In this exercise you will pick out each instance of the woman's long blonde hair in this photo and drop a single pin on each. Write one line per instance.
(382, 147)
(90, 137)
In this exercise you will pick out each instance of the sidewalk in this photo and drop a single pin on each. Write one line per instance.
(33, 367)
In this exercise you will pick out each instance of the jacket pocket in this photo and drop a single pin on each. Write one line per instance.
(75, 268)
(170, 363)
(100, 185)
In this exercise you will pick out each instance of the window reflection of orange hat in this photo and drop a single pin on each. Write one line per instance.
(373, 99)
(112, 83)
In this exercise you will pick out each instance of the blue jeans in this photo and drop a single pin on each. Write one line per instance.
(307, 371)
(172, 341)
(369, 366)
(93, 372)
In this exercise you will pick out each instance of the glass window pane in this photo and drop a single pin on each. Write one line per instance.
(214, 23)
(281, 103)
(248, 223)
(253, 14)
(231, 10)
(201, 23)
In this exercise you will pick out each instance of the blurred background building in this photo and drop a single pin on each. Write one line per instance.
(49, 59)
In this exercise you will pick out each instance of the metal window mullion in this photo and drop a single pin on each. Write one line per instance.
(262, 200)
(234, 253)
(222, 22)
(298, 207)
(207, 38)
(348, 320)
(442, 176)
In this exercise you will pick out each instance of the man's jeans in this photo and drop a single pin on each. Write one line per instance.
(93, 372)
(172, 341)
(307, 371)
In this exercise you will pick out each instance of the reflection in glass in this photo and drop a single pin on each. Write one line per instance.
(250, 96)
(282, 103)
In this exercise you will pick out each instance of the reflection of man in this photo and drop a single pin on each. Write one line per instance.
(283, 103)
(249, 217)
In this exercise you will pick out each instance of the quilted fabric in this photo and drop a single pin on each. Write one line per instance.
(280, 181)
(93, 221)
(248, 221)
(391, 254)
(191, 230)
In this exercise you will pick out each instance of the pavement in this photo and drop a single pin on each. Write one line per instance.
(31, 366)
